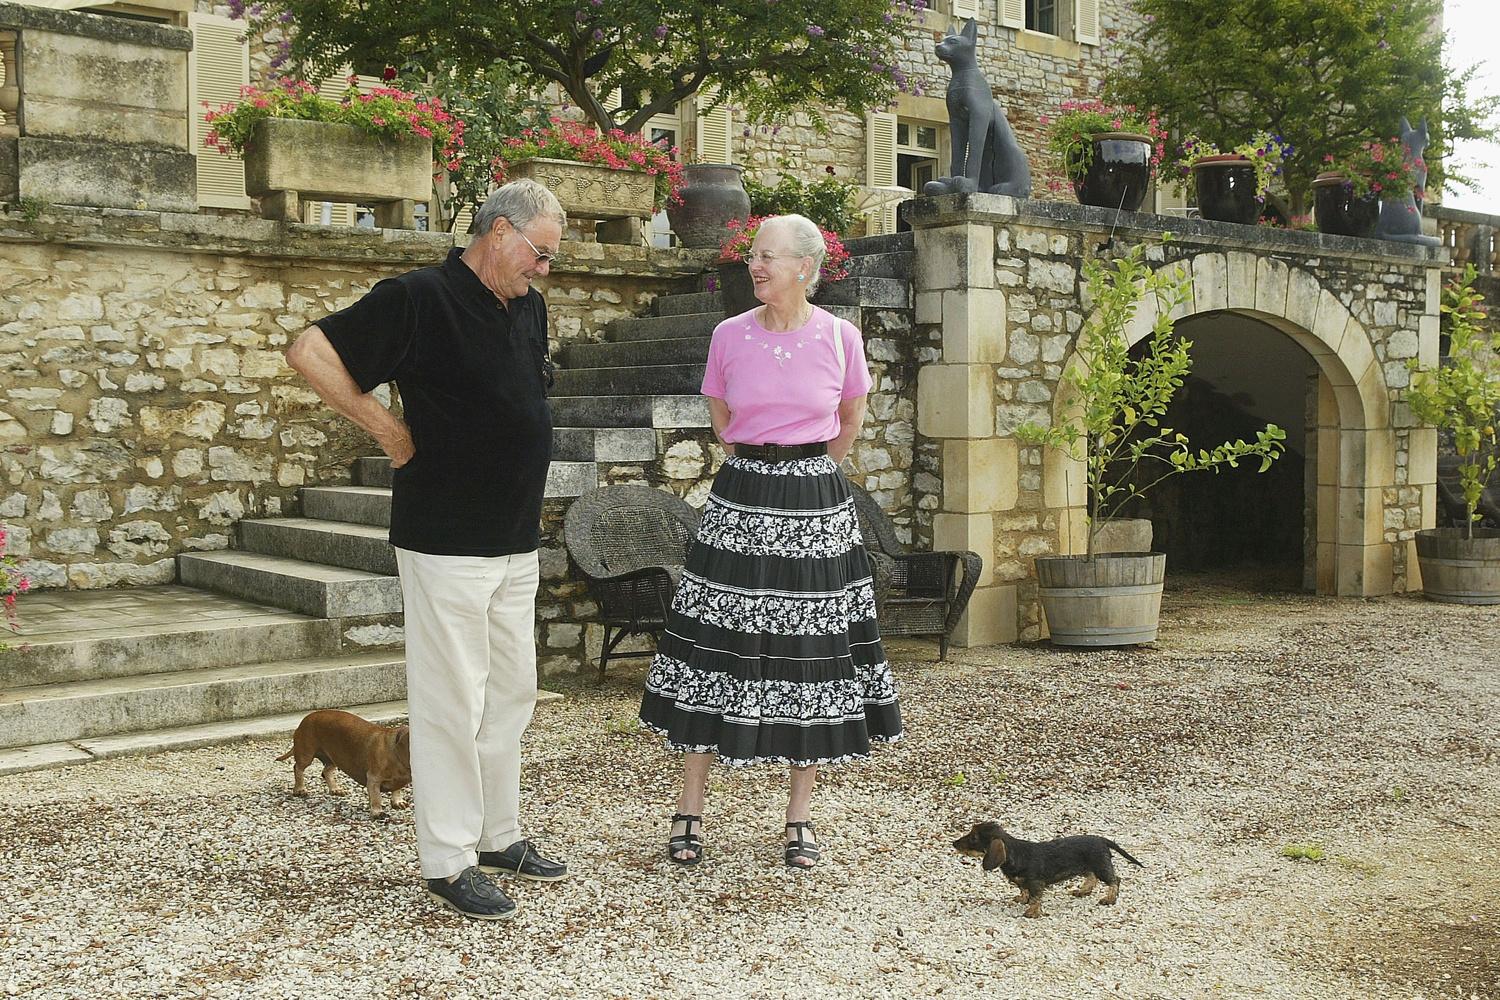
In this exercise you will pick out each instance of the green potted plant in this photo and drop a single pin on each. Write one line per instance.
(1113, 427)
(1347, 193)
(611, 176)
(1232, 186)
(734, 285)
(1461, 397)
(1108, 152)
(373, 147)
(828, 201)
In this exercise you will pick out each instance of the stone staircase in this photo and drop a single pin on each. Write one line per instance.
(302, 613)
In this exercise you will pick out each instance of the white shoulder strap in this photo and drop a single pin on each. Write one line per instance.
(838, 348)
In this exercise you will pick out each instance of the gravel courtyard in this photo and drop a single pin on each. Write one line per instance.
(1364, 730)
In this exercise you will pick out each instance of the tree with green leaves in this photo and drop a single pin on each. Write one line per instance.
(1113, 420)
(768, 56)
(1325, 75)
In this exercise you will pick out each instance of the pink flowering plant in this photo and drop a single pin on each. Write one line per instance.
(737, 248)
(13, 583)
(570, 140)
(1378, 167)
(1070, 132)
(1265, 152)
(383, 111)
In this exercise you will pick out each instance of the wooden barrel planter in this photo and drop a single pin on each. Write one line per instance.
(1457, 569)
(1110, 600)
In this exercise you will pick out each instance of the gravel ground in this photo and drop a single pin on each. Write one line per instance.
(1366, 728)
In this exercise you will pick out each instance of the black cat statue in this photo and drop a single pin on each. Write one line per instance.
(986, 156)
(1401, 218)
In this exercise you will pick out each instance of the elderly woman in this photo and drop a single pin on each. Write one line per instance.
(771, 652)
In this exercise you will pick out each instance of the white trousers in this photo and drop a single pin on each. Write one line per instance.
(471, 689)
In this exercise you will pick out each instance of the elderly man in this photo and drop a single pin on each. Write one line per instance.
(466, 344)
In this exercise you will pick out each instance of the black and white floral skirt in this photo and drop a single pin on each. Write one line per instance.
(771, 651)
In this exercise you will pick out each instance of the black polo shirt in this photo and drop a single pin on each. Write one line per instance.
(472, 389)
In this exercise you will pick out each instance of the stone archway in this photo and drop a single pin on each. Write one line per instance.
(1353, 447)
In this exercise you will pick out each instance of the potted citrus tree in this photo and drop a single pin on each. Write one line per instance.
(1112, 425)
(1461, 397)
(1108, 152)
(371, 147)
(1232, 186)
(1347, 193)
(612, 177)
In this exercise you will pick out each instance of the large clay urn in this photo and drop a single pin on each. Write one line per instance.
(712, 194)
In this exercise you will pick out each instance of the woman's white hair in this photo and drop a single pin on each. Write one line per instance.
(806, 241)
(522, 202)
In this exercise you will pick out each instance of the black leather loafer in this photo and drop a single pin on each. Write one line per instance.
(473, 895)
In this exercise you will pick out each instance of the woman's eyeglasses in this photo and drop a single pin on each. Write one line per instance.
(764, 257)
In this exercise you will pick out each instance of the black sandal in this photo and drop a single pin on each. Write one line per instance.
(801, 848)
(687, 840)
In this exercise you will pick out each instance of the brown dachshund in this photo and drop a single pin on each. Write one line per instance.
(375, 756)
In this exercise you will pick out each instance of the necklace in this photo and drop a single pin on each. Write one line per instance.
(803, 315)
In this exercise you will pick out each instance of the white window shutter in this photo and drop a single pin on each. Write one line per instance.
(1086, 21)
(462, 220)
(965, 8)
(1013, 13)
(218, 67)
(715, 131)
(880, 165)
(333, 88)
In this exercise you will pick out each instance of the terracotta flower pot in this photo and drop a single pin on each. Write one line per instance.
(1226, 189)
(1336, 210)
(1118, 174)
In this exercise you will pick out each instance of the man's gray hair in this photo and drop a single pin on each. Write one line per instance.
(806, 241)
(522, 202)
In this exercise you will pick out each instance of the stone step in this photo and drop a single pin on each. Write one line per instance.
(158, 647)
(332, 543)
(691, 325)
(38, 756)
(633, 353)
(304, 587)
(688, 302)
(884, 243)
(355, 504)
(883, 265)
(54, 713)
(564, 478)
(682, 410)
(646, 380)
(605, 444)
(868, 293)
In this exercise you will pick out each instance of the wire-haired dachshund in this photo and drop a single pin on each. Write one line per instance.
(1031, 867)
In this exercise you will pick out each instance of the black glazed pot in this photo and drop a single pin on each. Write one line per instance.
(1119, 173)
(736, 290)
(1226, 189)
(1337, 211)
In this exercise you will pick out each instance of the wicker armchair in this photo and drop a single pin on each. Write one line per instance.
(631, 543)
(916, 593)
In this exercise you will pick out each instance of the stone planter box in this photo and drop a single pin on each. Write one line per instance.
(288, 162)
(617, 199)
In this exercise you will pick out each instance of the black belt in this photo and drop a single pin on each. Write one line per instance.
(780, 452)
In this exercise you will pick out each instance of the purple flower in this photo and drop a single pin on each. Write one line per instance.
(660, 32)
(598, 34)
(1382, 44)
(814, 31)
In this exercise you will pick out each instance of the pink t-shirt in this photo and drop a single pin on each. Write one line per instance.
(784, 388)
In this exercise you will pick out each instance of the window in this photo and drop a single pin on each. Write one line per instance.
(919, 158)
(1041, 15)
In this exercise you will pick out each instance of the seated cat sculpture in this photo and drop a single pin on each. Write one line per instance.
(986, 156)
(1401, 218)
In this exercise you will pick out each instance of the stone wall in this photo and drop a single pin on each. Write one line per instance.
(146, 404)
(1001, 281)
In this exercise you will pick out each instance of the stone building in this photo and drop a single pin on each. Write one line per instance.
(151, 432)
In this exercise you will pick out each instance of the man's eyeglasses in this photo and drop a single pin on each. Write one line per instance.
(542, 256)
